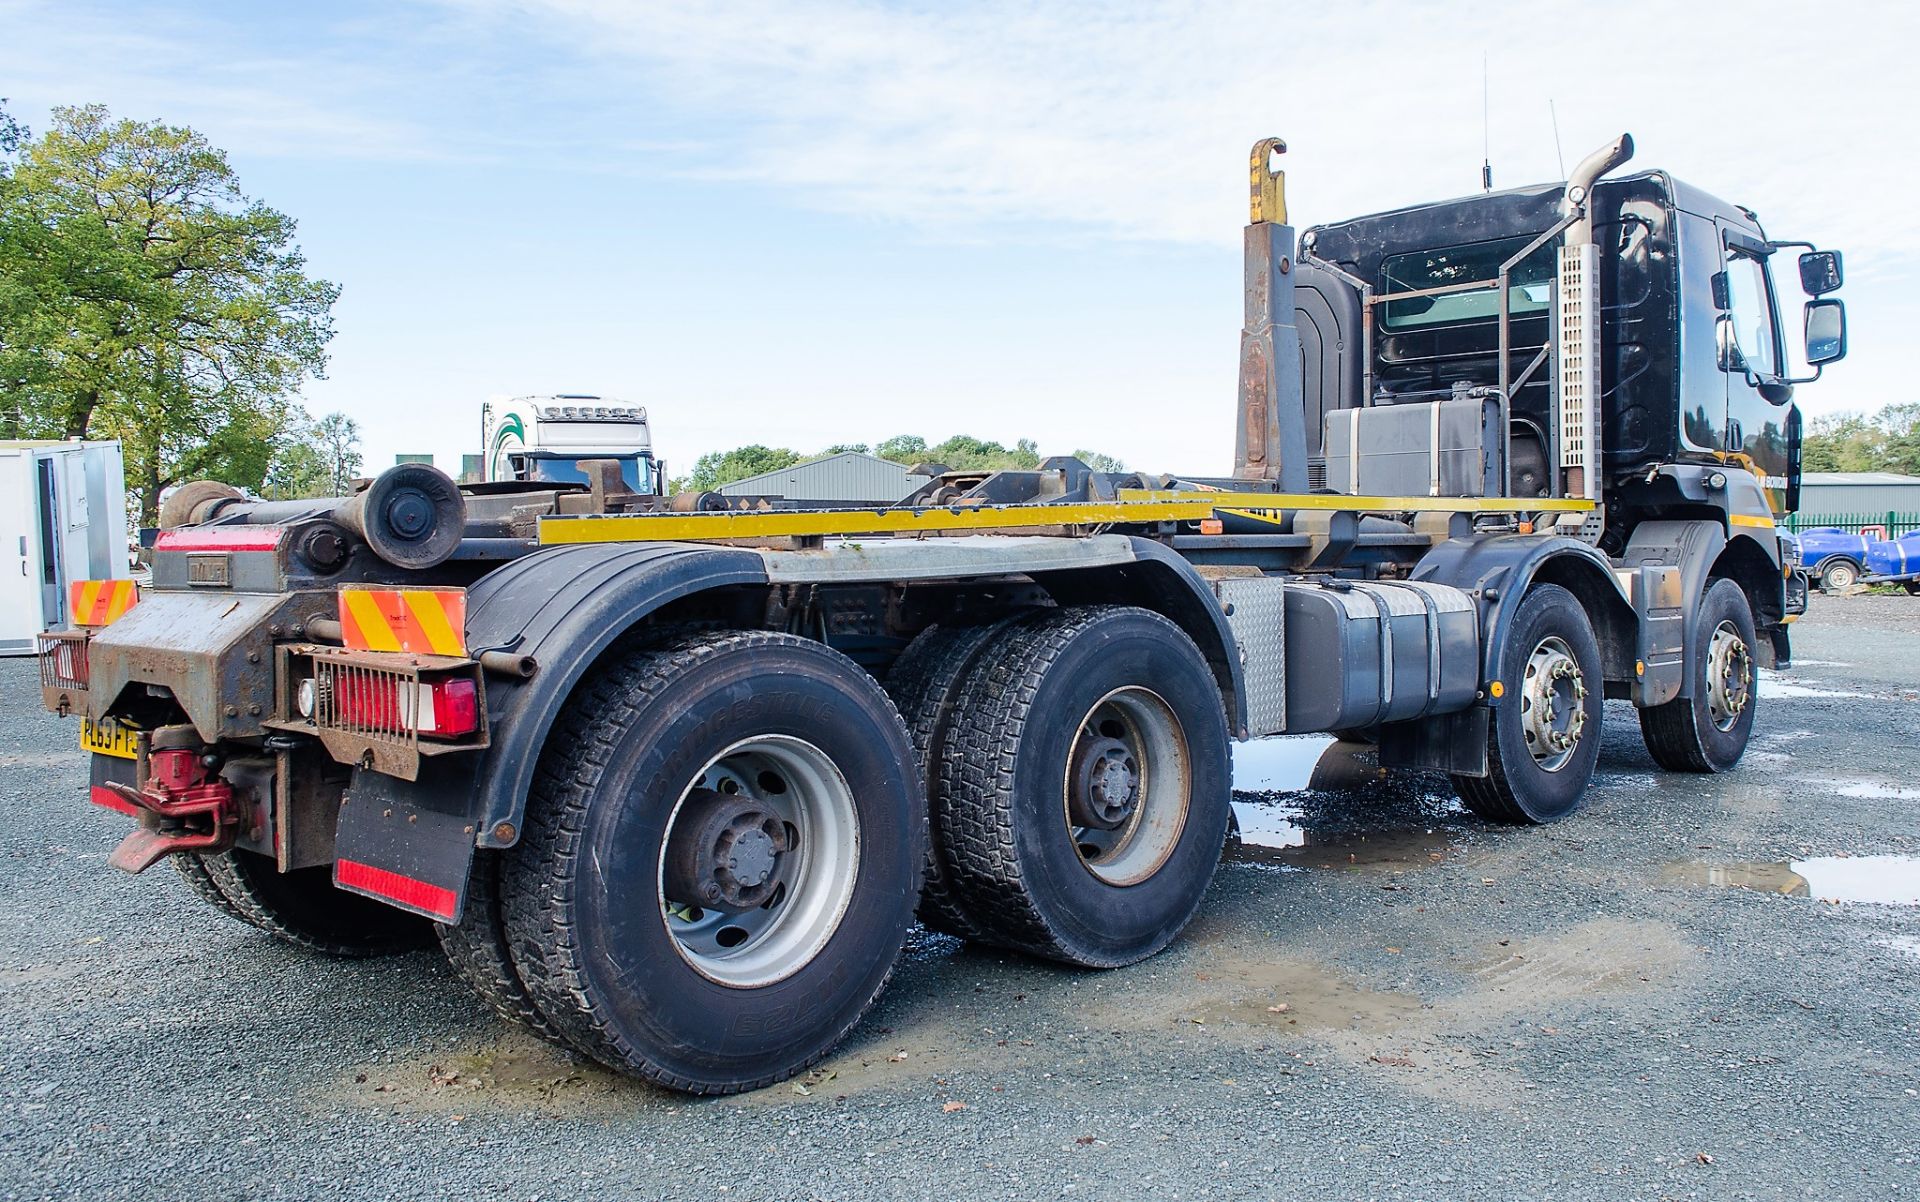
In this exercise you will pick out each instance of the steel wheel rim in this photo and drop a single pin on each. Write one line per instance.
(1840, 576)
(1553, 710)
(750, 946)
(1729, 677)
(1140, 721)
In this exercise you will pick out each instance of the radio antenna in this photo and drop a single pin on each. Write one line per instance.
(1552, 113)
(1486, 130)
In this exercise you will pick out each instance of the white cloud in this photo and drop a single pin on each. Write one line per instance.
(1085, 116)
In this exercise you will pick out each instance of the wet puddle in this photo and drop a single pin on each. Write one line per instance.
(1869, 880)
(1311, 802)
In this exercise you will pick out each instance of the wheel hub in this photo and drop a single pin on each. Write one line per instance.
(1106, 780)
(725, 851)
(1553, 707)
(1729, 676)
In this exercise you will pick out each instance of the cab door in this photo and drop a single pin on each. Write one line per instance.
(1757, 432)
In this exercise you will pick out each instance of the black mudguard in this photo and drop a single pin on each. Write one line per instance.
(411, 843)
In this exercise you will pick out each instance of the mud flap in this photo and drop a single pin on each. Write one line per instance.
(393, 846)
(1454, 743)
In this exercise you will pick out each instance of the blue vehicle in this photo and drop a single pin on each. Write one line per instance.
(1895, 561)
(1835, 558)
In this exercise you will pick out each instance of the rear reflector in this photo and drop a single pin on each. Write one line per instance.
(108, 799)
(440, 708)
(414, 894)
(221, 538)
(423, 621)
(99, 602)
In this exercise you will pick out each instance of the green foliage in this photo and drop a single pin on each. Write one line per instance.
(312, 458)
(962, 452)
(715, 468)
(903, 448)
(145, 297)
(1887, 441)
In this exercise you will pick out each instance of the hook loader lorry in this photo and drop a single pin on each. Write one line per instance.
(670, 781)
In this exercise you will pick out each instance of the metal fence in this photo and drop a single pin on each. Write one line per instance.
(1896, 523)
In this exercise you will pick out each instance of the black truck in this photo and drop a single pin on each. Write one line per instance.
(670, 778)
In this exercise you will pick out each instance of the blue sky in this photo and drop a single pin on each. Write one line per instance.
(821, 221)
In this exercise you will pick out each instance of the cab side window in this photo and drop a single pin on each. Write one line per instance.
(1750, 294)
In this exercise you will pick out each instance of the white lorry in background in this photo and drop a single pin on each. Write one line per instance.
(547, 437)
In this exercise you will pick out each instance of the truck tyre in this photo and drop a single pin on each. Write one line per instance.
(1839, 575)
(925, 683)
(1085, 798)
(199, 878)
(1543, 738)
(476, 948)
(303, 908)
(1708, 731)
(722, 851)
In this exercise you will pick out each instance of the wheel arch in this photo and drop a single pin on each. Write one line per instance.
(1497, 570)
(1157, 579)
(1745, 561)
(565, 607)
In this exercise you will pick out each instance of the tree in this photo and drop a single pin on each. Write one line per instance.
(1887, 441)
(313, 458)
(1100, 462)
(147, 298)
(903, 448)
(842, 448)
(715, 468)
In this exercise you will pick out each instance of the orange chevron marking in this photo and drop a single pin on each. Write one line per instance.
(420, 621)
(100, 602)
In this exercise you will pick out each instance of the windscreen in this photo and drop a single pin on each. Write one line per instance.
(634, 470)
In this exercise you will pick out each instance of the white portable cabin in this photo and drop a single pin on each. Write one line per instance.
(63, 517)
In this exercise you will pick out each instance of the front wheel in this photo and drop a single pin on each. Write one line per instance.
(1543, 735)
(722, 852)
(1708, 731)
(1838, 576)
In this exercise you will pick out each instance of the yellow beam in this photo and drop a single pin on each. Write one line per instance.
(1135, 506)
(1280, 500)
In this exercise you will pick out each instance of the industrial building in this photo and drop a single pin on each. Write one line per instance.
(849, 476)
(1850, 500)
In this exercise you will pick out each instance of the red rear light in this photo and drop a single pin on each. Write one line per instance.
(444, 708)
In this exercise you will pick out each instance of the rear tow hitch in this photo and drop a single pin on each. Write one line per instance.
(183, 806)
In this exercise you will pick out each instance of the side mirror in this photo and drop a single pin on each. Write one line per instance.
(1826, 329)
(1820, 272)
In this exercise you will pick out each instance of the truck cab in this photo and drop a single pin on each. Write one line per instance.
(547, 438)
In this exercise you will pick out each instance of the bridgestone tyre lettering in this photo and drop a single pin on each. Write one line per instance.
(1518, 788)
(1002, 798)
(925, 683)
(1682, 734)
(581, 896)
(303, 908)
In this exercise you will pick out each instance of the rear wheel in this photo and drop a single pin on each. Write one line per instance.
(1708, 731)
(303, 908)
(476, 948)
(1912, 587)
(1838, 576)
(1084, 800)
(925, 683)
(722, 852)
(1543, 736)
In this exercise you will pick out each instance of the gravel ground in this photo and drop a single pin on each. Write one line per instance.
(1397, 1001)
